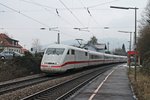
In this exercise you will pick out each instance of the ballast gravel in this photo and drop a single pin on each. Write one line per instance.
(21, 93)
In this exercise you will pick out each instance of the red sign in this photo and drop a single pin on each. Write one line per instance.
(132, 52)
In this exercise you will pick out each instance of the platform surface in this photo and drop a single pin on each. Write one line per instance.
(112, 85)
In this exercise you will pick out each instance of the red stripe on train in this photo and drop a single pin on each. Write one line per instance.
(76, 62)
(44, 65)
(56, 66)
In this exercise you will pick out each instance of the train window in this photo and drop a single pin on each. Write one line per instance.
(72, 52)
(59, 51)
(68, 52)
(86, 53)
(55, 51)
(96, 57)
(91, 56)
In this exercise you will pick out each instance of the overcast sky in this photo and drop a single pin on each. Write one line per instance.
(22, 19)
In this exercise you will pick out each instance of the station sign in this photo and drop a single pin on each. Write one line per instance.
(132, 52)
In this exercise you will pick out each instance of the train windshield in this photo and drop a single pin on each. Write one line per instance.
(55, 51)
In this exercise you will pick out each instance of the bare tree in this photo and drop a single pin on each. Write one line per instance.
(144, 33)
(36, 45)
(145, 20)
(143, 44)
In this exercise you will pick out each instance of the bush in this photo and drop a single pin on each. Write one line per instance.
(32, 64)
(144, 40)
(146, 64)
(19, 67)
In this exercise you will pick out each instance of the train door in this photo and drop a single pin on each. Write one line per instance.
(87, 58)
(70, 59)
(73, 57)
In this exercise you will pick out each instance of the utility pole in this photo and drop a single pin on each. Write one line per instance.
(54, 29)
(130, 42)
(58, 39)
(108, 45)
(135, 48)
(129, 57)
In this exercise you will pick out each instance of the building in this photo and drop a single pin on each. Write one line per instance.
(95, 47)
(9, 44)
(23, 50)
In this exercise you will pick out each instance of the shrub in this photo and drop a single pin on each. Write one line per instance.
(32, 64)
(146, 64)
(19, 67)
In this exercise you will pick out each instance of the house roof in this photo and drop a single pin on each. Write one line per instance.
(24, 50)
(100, 46)
(97, 46)
(7, 41)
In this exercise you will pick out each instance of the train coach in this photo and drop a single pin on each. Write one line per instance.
(59, 58)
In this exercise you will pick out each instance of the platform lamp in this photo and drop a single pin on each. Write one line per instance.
(130, 42)
(135, 33)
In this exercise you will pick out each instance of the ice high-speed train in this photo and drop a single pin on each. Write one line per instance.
(59, 58)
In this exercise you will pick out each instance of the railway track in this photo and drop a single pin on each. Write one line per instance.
(6, 87)
(64, 89)
(14, 85)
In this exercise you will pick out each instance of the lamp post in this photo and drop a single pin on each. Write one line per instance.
(82, 29)
(54, 29)
(129, 62)
(135, 33)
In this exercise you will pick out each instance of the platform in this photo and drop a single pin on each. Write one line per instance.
(112, 85)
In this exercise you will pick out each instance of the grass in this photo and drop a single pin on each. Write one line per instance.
(141, 86)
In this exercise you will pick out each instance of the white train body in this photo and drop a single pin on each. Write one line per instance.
(60, 58)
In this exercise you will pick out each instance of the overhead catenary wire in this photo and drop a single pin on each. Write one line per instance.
(63, 19)
(24, 15)
(56, 10)
(46, 8)
(71, 12)
(87, 9)
(38, 4)
(61, 13)
(35, 3)
(92, 6)
(34, 19)
(92, 17)
(102, 4)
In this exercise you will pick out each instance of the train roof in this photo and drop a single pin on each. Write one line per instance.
(65, 46)
(94, 52)
(80, 49)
